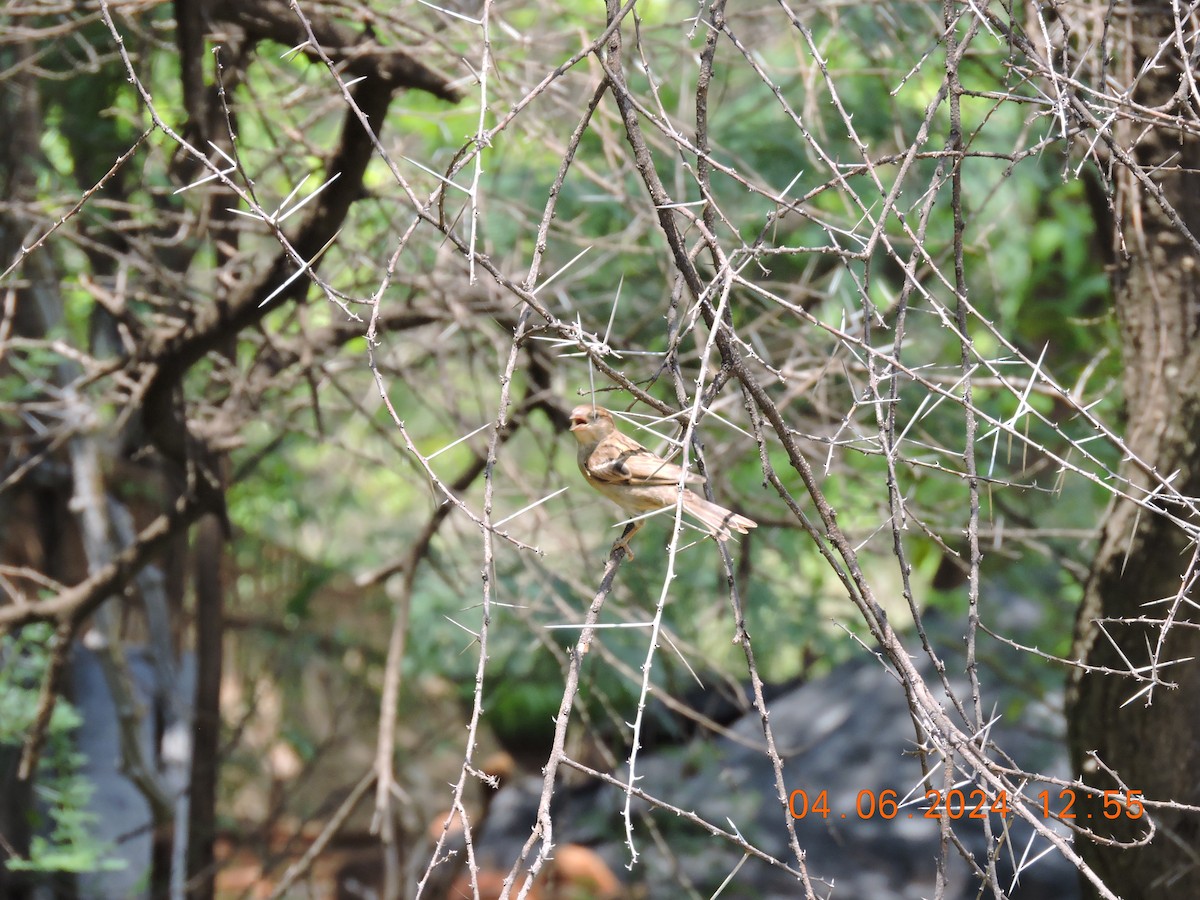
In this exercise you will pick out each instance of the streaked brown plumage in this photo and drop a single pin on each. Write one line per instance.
(637, 480)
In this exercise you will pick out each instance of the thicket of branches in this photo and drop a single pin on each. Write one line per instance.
(911, 284)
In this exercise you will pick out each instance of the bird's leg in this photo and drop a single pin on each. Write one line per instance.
(623, 541)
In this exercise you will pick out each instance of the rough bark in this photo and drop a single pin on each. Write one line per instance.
(206, 757)
(1145, 561)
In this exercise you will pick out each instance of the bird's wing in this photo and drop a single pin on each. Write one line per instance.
(637, 465)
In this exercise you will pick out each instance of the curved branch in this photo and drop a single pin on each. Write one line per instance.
(79, 601)
(395, 68)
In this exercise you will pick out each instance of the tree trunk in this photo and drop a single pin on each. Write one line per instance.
(210, 630)
(1145, 561)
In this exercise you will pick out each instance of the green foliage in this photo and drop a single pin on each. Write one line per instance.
(64, 842)
(23, 659)
(325, 490)
(23, 379)
(1038, 279)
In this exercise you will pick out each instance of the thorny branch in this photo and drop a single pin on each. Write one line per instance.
(818, 308)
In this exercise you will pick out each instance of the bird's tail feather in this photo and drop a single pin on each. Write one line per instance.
(717, 519)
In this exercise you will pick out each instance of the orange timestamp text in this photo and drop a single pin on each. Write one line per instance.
(957, 804)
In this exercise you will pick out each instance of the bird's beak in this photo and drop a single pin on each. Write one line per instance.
(578, 422)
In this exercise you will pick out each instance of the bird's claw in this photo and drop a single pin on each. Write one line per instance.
(623, 544)
(623, 541)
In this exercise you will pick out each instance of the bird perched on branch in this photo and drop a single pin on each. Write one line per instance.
(637, 480)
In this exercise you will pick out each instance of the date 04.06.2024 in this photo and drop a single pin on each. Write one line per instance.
(956, 804)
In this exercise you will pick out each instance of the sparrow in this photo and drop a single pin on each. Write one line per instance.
(639, 481)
